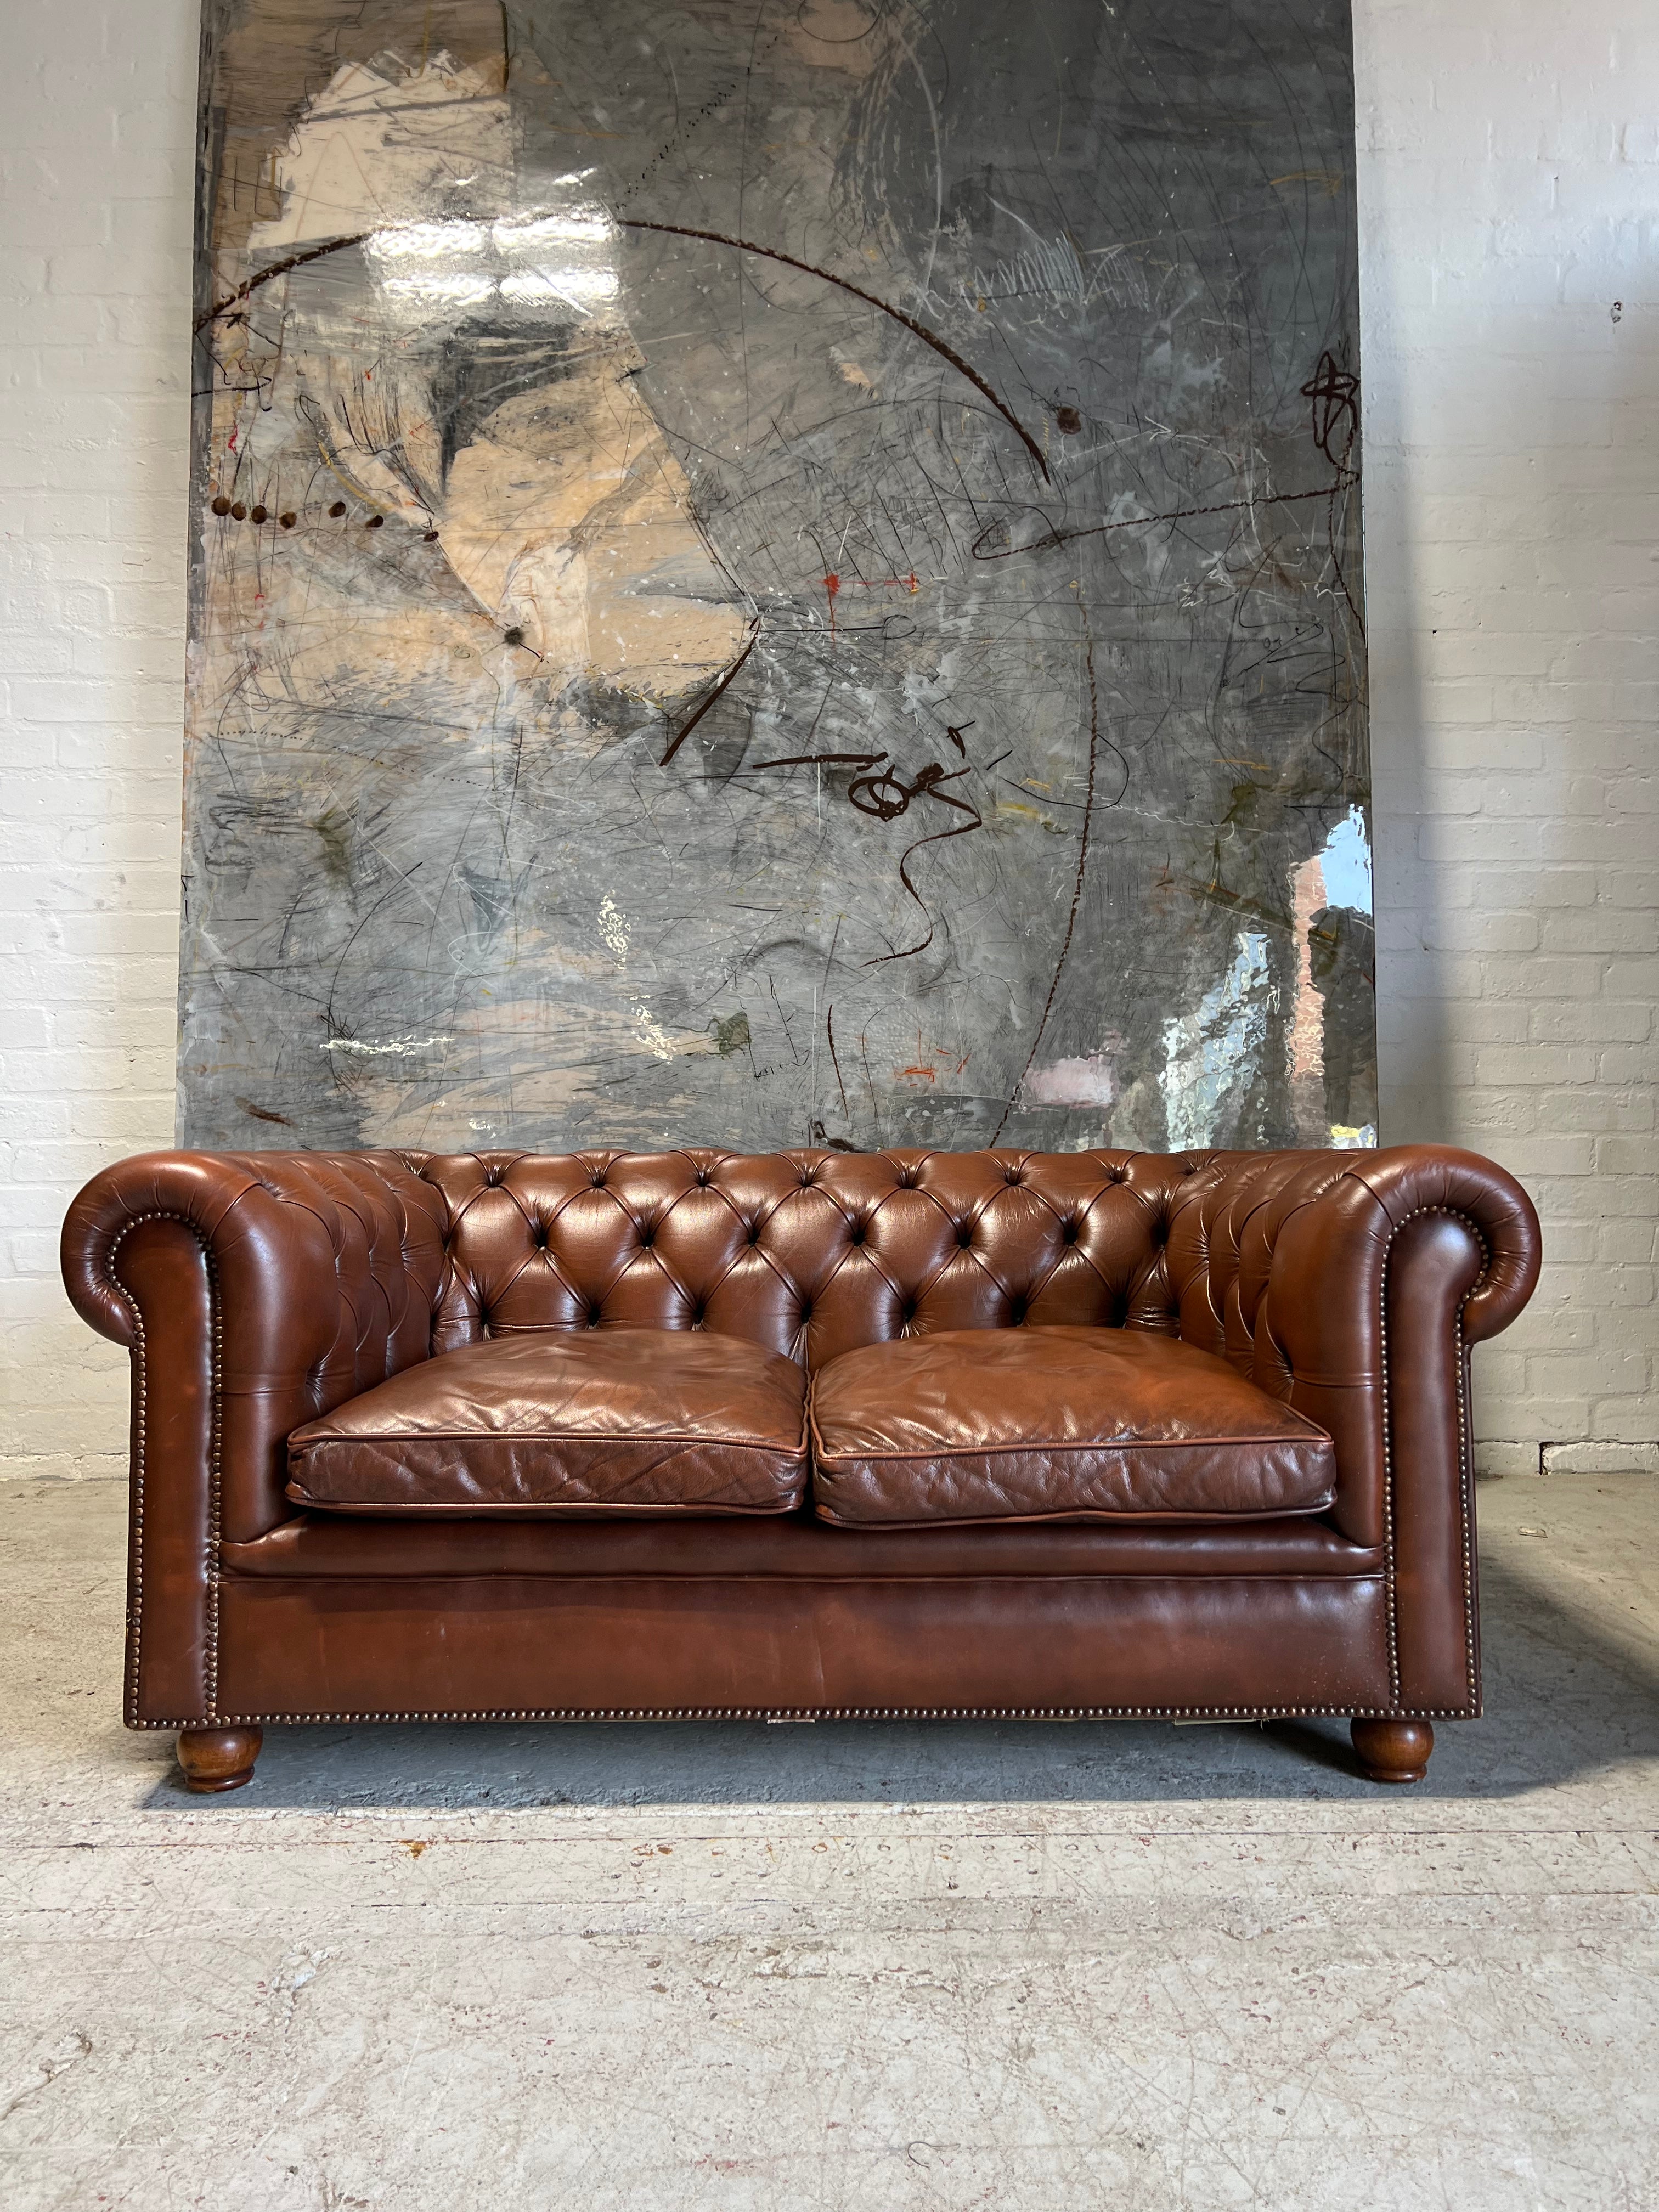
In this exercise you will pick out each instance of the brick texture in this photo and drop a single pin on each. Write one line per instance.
(97, 131)
(1509, 185)
(1508, 197)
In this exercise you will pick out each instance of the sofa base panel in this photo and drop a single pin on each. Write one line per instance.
(511, 1648)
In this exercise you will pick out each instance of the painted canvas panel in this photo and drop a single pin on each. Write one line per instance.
(777, 574)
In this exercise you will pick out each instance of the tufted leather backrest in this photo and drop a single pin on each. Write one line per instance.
(258, 1290)
(814, 1253)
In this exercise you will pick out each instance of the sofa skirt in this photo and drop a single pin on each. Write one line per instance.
(507, 1647)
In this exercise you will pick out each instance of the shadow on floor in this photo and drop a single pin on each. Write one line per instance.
(1565, 1702)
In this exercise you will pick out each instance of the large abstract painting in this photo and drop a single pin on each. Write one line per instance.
(777, 573)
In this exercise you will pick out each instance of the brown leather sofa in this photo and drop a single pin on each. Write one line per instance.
(692, 1434)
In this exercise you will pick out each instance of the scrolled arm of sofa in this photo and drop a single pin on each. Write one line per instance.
(1407, 1183)
(1351, 1285)
(254, 1291)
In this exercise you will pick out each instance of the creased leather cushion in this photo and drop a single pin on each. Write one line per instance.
(623, 1420)
(1055, 1425)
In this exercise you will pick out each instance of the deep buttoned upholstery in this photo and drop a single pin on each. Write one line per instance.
(260, 1291)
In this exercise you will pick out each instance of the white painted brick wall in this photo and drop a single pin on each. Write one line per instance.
(1510, 188)
(97, 127)
(1509, 197)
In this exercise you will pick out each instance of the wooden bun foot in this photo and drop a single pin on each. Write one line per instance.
(216, 1759)
(1392, 1751)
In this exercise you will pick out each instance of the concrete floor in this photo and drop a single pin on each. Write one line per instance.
(1036, 1967)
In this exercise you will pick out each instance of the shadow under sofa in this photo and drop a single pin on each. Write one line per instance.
(696, 1434)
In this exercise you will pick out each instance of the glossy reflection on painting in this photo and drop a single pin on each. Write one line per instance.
(777, 575)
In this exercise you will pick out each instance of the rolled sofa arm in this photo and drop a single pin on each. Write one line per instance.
(1351, 1285)
(254, 1291)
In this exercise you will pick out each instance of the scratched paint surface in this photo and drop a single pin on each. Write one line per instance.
(777, 575)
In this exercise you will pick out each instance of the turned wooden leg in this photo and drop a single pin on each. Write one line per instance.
(1392, 1751)
(218, 1758)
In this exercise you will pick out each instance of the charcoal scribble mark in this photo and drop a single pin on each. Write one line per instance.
(1335, 396)
(277, 269)
(331, 1015)
(835, 1062)
(817, 760)
(984, 551)
(883, 307)
(896, 800)
(884, 797)
(926, 784)
(686, 728)
(1333, 392)
(676, 140)
(1082, 868)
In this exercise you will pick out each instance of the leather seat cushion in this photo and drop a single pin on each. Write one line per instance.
(587, 1421)
(1055, 1425)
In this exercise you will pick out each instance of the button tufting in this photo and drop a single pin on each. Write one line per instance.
(592, 1317)
(965, 1237)
(648, 1238)
(1068, 1232)
(855, 1233)
(702, 1178)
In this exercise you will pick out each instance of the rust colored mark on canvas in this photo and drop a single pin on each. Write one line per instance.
(687, 728)
(277, 269)
(882, 306)
(263, 1113)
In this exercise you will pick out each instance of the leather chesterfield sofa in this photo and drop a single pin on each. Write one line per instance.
(503, 1436)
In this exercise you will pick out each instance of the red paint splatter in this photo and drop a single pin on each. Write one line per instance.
(832, 584)
(233, 438)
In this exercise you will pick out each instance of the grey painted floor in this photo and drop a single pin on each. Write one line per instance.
(884, 1968)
